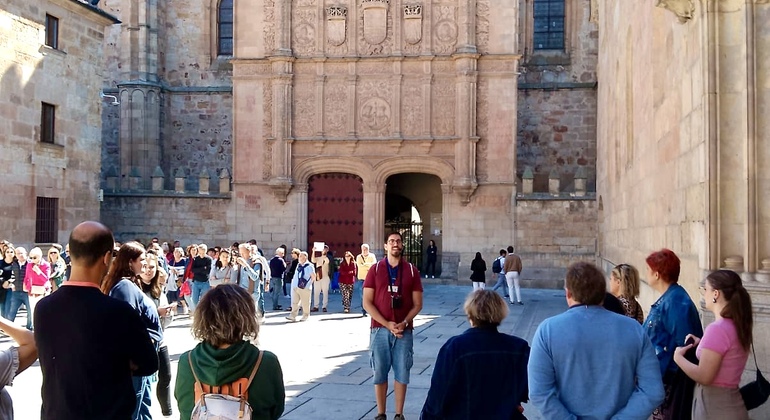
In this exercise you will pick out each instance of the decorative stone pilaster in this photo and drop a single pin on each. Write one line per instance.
(134, 178)
(465, 126)
(179, 180)
(157, 179)
(763, 274)
(204, 181)
(553, 183)
(734, 263)
(280, 178)
(224, 181)
(112, 179)
(528, 178)
(580, 182)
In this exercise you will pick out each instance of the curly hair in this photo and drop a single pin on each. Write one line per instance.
(226, 315)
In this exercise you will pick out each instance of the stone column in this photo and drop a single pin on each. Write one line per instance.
(465, 126)
(466, 33)
(280, 179)
(733, 128)
(762, 63)
(301, 197)
(374, 215)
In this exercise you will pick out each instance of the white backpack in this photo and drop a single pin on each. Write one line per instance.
(224, 402)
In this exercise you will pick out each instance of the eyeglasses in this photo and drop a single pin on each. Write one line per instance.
(34, 258)
(394, 241)
(9, 251)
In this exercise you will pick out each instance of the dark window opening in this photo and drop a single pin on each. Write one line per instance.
(51, 31)
(47, 123)
(225, 28)
(47, 221)
(548, 25)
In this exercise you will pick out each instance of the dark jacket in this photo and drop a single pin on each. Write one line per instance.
(201, 267)
(277, 267)
(289, 273)
(432, 253)
(478, 268)
(479, 374)
(217, 367)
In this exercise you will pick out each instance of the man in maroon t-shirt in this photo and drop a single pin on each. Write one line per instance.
(393, 297)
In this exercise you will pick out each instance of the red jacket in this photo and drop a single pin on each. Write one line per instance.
(348, 272)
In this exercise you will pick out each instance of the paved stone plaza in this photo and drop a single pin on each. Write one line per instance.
(325, 360)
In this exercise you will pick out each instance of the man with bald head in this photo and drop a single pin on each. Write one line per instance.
(90, 344)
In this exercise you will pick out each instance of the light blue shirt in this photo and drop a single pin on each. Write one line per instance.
(590, 363)
(305, 270)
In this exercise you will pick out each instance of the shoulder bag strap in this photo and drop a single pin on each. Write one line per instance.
(755, 355)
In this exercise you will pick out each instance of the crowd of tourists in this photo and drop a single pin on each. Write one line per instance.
(93, 370)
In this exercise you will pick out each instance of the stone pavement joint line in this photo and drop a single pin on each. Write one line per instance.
(326, 359)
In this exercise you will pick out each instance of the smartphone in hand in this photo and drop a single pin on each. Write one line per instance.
(689, 341)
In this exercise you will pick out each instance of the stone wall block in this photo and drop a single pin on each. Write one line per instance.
(179, 181)
(580, 182)
(134, 179)
(528, 180)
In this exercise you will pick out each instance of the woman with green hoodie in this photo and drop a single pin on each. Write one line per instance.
(226, 323)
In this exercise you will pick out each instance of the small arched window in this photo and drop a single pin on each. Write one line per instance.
(225, 28)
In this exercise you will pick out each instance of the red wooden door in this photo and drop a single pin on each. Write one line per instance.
(335, 212)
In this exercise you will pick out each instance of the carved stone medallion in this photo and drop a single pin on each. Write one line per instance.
(336, 24)
(375, 113)
(413, 23)
(445, 30)
(375, 20)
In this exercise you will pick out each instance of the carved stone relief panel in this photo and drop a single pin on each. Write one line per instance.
(267, 128)
(444, 28)
(482, 26)
(268, 25)
(443, 106)
(375, 28)
(304, 24)
(683, 9)
(412, 28)
(444, 66)
(482, 130)
(412, 108)
(374, 108)
(336, 30)
(335, 68)
(304, 108)
(335, 107)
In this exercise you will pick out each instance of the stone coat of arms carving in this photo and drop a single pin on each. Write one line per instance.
(413, 23)
(336, 24)
(375, 20)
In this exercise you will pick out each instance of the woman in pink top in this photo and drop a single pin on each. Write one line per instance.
(723, 350)
(36, 279)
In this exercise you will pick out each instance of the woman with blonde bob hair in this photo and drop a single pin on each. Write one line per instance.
(624, 285)
(475, 359)
(227, 325)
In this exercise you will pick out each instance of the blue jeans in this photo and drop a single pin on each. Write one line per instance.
(16, 298)
(199, 288)
(259, 297)
(358, 287)
(386, 351)
(501, 283)
(276, 290)
(142, 387)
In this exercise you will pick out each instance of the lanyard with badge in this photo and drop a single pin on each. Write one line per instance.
(396, 300)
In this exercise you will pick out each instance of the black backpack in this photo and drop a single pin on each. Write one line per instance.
(497, 266)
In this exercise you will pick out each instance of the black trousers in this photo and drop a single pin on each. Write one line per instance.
(164, 381)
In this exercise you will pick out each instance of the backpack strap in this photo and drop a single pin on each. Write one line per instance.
(245, 394)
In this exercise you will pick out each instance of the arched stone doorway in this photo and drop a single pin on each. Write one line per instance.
(335, 212)
(413, 206)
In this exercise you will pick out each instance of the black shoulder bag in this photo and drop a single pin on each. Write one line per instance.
(755, 393)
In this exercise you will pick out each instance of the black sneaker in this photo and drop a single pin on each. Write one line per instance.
(399, 417)
(381, 417)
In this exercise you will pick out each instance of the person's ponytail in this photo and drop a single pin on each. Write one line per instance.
(739, 310)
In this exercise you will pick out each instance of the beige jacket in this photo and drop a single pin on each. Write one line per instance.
(363, 264)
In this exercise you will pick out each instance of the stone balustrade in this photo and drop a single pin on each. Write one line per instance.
(183, 182)
(554, 184)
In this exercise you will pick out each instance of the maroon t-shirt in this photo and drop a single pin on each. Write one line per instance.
(407, 281)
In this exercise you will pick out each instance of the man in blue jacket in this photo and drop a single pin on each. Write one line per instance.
(589, 362)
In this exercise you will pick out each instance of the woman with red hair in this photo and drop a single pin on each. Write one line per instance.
(672, 317)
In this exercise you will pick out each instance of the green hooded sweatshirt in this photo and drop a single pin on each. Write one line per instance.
(217, 367)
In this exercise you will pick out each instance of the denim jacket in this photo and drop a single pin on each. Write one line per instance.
(480, 374)
(671, 318)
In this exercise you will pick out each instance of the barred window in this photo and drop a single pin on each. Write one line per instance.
(548, 25)
(47, 221)
(225, 28)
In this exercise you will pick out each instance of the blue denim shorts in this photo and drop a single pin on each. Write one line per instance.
(386, 351)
